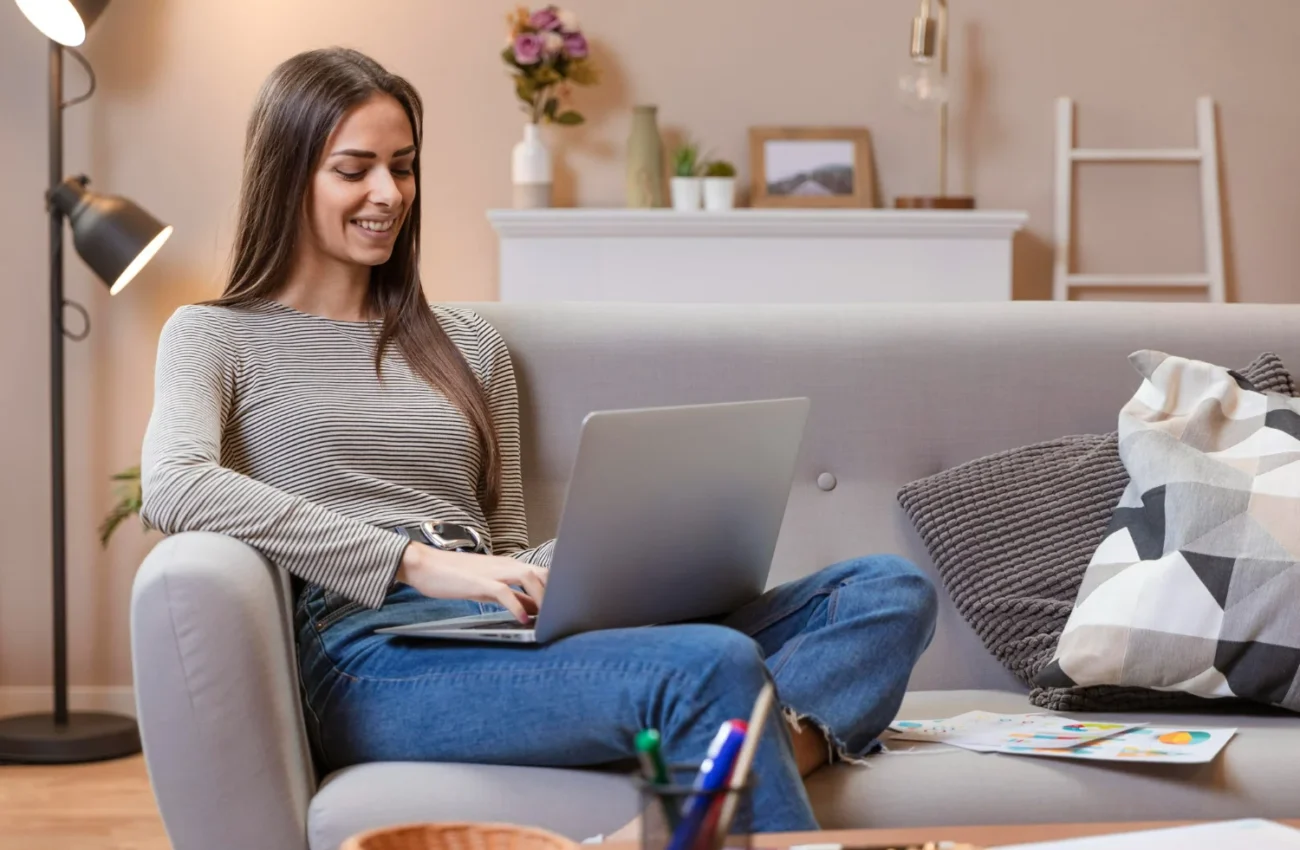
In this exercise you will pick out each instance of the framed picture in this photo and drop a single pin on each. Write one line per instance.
(811, 167)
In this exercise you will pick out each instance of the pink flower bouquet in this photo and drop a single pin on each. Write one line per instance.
(546, 52)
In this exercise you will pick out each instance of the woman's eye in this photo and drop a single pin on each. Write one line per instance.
(404, 172)
(350, 175)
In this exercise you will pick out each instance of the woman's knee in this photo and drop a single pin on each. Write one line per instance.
(717, 658)
(896, 581)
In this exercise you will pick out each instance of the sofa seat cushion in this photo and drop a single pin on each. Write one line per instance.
(911, 785)
(920, 784)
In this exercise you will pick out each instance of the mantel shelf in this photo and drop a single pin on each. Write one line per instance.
(751, 223)
(755, 255)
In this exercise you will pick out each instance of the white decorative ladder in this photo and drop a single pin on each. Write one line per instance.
(1205, 154)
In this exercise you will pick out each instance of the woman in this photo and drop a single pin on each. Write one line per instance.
(321, 405)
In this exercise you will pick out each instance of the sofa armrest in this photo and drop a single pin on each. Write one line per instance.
(217, 696)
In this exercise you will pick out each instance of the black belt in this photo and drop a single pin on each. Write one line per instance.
(449, 536)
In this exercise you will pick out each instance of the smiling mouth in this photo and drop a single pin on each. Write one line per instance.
(375, 226)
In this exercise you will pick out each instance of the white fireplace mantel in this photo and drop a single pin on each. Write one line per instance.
(755, 255)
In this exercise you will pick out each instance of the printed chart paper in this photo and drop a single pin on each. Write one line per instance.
(1061, 737)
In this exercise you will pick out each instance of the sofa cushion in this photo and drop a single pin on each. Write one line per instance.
(924, 784)
(910, 784)
(1193, 588)
(1011, 535)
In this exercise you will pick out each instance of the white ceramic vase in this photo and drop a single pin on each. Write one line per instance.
(719, 193)
(687, 192)
(531, 170)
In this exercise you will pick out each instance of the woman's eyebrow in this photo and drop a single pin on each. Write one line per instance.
(371, 154)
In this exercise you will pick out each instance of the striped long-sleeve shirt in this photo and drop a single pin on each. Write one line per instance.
(271, 426)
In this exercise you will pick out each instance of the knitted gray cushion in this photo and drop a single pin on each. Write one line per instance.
(1012, 534)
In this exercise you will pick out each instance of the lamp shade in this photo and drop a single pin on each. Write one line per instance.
(65, 21)
(113, 236)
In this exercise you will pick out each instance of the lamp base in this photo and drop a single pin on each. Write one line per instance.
(934, 202)
(87, 736)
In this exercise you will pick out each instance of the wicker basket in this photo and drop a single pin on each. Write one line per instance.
(458, 836)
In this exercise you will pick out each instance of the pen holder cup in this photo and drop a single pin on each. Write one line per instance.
(677, 817)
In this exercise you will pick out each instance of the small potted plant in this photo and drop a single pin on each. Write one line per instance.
(719, 185)
(686, 183)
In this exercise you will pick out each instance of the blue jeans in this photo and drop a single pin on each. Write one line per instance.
(839, 644)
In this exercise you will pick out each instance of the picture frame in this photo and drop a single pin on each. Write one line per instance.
(811, 167)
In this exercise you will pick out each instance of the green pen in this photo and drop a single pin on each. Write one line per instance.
(654, 770)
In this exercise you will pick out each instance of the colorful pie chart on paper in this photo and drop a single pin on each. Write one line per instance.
(1184, 738)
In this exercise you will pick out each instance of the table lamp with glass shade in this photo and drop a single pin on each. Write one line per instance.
(116, 239)
(925, 85)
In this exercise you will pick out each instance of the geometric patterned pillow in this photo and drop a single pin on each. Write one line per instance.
(1011, 534)
(1195, 586)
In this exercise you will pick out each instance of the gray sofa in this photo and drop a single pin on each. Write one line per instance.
(898, 392)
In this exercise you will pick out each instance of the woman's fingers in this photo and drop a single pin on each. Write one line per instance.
(533, 584)
(529, 603)
(507, 598)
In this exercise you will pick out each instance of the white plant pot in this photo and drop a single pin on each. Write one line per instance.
(530, 170)
(719, 193)
(687, 192)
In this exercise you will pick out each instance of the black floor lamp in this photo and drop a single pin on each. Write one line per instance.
(116, 239)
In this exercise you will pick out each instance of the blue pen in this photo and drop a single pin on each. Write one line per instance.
(712, 777)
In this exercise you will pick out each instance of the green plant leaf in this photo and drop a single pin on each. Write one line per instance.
(569, 118)
(525, 88)
(552, 104)
(129, 502)
(121, 511)
(686, 160)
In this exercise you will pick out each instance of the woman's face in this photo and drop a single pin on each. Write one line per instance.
(364, 187)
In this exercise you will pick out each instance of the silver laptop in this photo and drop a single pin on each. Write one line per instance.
(671, 514)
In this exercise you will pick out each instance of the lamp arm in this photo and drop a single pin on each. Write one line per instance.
(85, 320)
(63, 199)
(90, 72)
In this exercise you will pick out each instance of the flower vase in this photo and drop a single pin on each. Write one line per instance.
(531, 170)
(645, 160)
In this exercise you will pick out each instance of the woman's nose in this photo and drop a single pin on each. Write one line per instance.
(383, 188)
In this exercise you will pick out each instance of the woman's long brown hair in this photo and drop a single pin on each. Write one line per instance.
(298, 107)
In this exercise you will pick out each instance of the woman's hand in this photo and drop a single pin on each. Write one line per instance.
(482, 578)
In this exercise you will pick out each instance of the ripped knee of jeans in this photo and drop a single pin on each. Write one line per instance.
(836, 749)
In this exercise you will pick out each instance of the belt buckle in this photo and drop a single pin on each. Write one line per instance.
(453, 537)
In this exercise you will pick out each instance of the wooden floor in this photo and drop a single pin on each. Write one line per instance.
(102, 806)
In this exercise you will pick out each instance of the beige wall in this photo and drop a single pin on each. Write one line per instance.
(177, 78)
